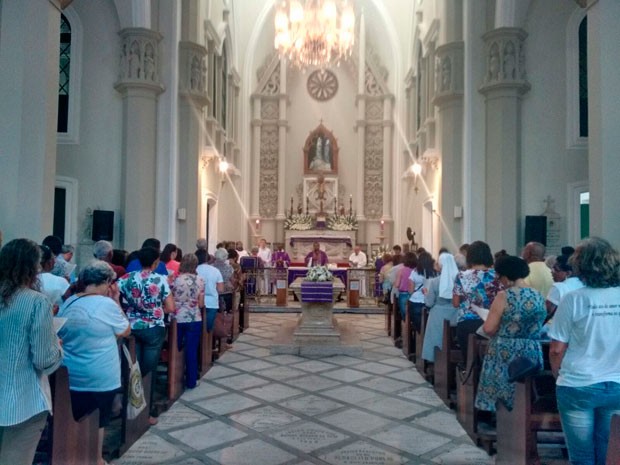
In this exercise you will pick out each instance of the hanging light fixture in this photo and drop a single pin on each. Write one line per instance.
(318, 33)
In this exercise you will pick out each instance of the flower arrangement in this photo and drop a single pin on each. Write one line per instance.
(342, 223)
(319, 274)
(378, 254)
(298, 222)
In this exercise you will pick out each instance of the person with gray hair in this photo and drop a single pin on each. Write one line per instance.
(94, 321)
(201, 244)
(103, 250)
(540, 274)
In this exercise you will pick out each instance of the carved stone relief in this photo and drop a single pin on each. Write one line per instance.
(193, 69)
(272, 86)
(269, 110)
(373, 171)
(374, 110)
(448, 71)
(268, 168)
(139, 59)
(505, 51)
(372, 86)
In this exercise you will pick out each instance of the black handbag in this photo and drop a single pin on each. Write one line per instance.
(522, 367)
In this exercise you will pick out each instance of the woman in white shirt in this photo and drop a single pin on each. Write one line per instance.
(584, 352)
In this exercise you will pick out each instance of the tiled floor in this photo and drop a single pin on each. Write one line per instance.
(256, 409)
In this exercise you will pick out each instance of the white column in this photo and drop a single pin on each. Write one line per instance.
(604, 118)
(388, 156)
(282, 128)
(29, 38)
(139, 86)
(361, 117)
(256, 124)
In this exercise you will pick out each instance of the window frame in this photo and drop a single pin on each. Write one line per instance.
(72, 136)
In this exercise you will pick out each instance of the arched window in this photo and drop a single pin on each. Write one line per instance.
(69, 77)
(65, 75)
(224, 88)
(577, 80)
(583, 78)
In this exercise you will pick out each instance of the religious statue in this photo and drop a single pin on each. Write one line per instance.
(149, 63)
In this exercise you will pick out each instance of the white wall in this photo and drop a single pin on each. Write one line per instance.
(96, 160)
(548, 166)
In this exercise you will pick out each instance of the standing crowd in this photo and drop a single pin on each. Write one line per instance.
(572, 300)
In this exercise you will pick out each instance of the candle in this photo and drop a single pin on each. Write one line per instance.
(382, 225)
(307, 204)
(257, 224)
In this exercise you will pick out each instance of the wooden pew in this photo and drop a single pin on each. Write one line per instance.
(387, 310)
(132, 430)
(205, 347)
(73, 442)
(613, 450)
(408, 335)
(466, 389)
(420, 363)
(516, 430)
(176, 364)
(446, 360)
(396, 324)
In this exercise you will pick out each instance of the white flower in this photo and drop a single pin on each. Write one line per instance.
(319, 274)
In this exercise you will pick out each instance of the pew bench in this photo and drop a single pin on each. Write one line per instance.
(71, 442)
(420, 363)
(396, 326)
(446, 360)
(408, 334)
(517, 430)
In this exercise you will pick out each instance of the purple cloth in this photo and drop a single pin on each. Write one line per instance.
(321, 261)
(317, 292)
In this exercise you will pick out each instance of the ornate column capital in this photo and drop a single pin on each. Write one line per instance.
(139, 63)
(193, 72)
(505, 60)
(449, 72)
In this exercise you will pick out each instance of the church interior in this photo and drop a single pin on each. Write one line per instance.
(434, 123)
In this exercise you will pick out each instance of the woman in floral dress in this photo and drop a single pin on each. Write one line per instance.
(148, 297)
(515, 320)
(188, 290)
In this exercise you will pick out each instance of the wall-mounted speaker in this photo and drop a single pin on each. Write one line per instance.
(103, 225)
(536, 229)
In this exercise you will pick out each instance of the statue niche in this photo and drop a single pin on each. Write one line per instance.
(321, 152)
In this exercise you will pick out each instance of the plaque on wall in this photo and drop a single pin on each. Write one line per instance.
(321, 152)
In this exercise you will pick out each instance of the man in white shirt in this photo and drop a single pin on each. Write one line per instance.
(358, 260)
(240, 250)
(264, 253)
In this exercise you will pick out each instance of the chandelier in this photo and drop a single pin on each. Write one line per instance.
(318, 33)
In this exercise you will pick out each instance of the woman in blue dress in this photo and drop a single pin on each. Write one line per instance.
(514, 320)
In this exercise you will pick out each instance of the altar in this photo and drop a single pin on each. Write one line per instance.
(336, 244)
(295, 272)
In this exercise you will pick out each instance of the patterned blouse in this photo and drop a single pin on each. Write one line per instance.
(145, 293)
(186, 289)
(477, 287)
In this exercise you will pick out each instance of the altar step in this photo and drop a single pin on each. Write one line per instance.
(269, 306)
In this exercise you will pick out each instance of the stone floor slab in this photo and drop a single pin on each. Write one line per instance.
(255, 452)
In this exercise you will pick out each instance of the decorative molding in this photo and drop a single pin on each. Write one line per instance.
(373, 171)
(322, 85)
(139, 64)
(269, 84)
(374, 110)
(193, 72)
(268, 170)
(505, 52)
(449, 72)
(270, 110)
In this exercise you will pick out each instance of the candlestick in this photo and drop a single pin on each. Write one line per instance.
(335, 206)
(257, 225)
(351, 204)
(382, 225)
(307, 204)
(291, 205)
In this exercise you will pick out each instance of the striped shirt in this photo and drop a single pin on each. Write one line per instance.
(29, 351)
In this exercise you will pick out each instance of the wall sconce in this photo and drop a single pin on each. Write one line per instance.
(416, 169)
(223, 165)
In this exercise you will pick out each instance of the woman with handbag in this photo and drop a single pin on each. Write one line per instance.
(94, 321)
(585, 350)
(514, 321)
(149, 298)
(30, 351)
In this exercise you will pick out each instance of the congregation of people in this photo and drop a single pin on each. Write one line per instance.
(571, 300)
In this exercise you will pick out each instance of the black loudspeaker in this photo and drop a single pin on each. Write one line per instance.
(536, 229)
(103, 225)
